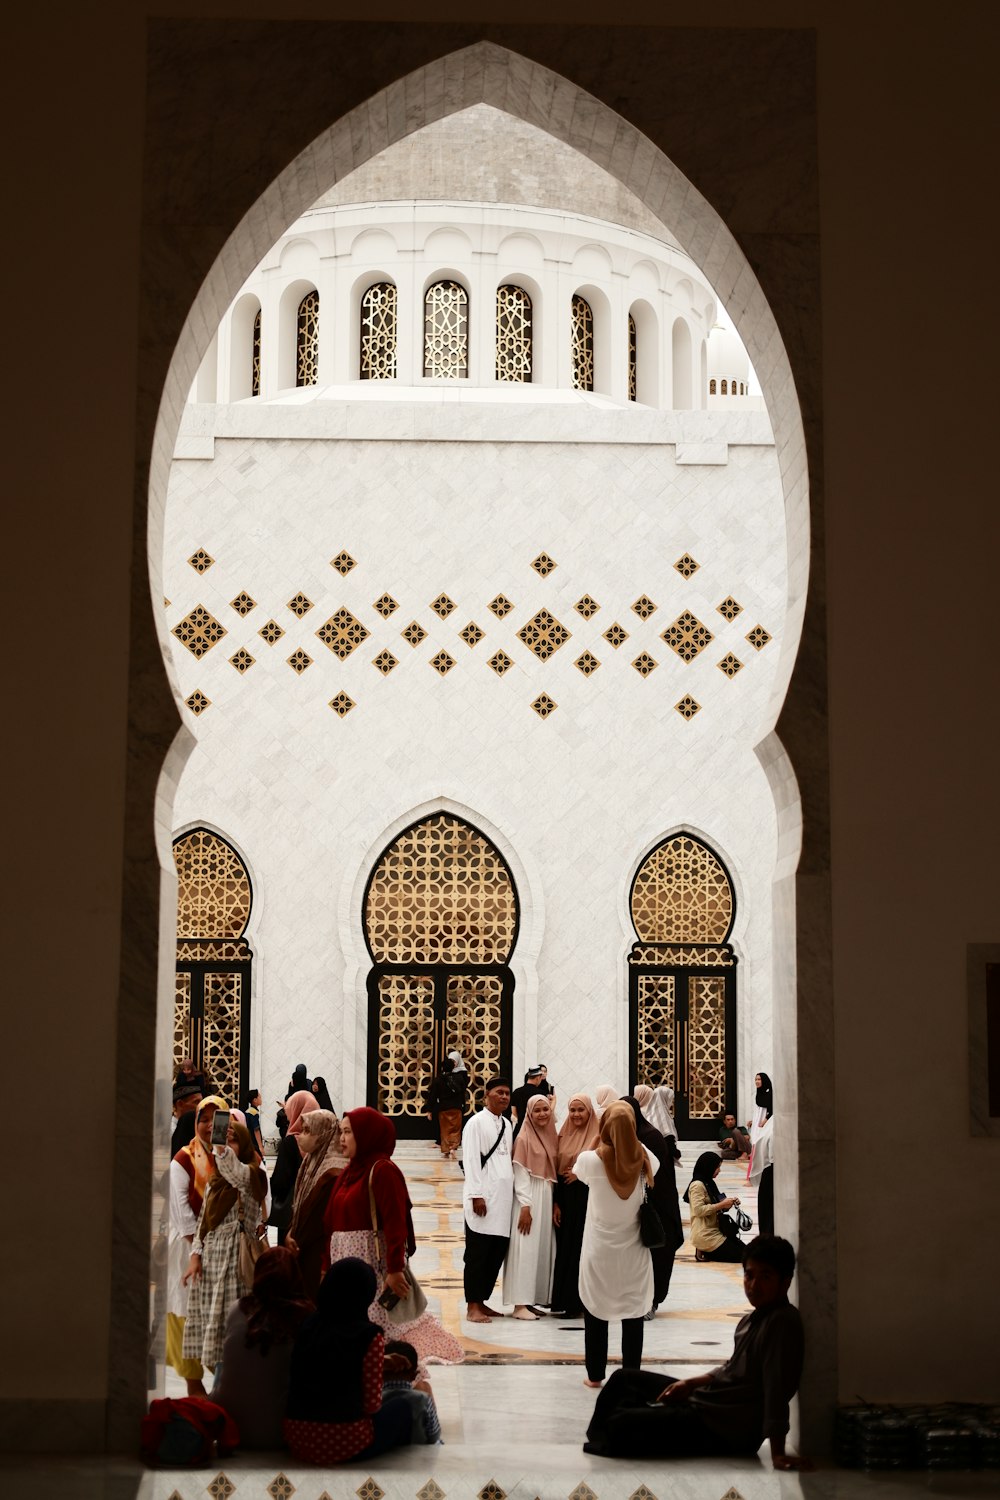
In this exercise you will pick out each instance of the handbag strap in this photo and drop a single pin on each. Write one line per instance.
(484, 1159)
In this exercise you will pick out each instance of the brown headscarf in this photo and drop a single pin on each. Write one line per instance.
(576, 1138)
(221, 1194)
(326, 1157)
(536, 1146)
(624, 1159)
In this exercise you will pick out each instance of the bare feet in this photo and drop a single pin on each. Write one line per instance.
(491, 1312)
(594, 1384)
(475, 1312)
(525, 1314)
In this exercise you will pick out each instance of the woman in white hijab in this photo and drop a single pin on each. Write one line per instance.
(604, 1094)
(659, 1110)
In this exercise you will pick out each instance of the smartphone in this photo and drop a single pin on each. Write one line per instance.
(388, 1299)
(220, 1127)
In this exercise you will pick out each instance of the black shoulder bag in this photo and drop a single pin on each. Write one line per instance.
(484, 1159)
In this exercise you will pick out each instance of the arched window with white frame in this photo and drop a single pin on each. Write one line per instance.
(583, 344)
(446, 331)
(513, 334)
(379, 329)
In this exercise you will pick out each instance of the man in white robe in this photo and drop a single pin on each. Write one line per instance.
(487, 1198)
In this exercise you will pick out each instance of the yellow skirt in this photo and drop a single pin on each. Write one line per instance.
(188, 1369)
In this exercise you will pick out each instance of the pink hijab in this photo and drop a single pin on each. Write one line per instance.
(296, 1105)
(576, 1138)
(604, 1095)
(537, 1146)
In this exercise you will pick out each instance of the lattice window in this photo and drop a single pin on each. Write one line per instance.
(446, 331)
(475, 1020)
(223, 1020)
(255, 357)
(711, 387)
(441, 893)
(307, 340)
(706, 1046)
(405, 1042)
(513, 334)
(183, 1046)
(379, 323)
(682, 894)
(633, 359)
(213, 887)
(724, 389)
(583, 345)
(656, 1033)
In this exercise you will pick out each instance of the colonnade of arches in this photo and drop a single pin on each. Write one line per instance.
(512, 332)
(440, 916)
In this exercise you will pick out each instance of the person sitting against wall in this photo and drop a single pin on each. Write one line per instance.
(706, 1203)
(402, 1382)
(734, 1141)
(730, 1410)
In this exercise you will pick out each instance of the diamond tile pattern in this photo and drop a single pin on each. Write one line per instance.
(758, 637)
(431, 1491)
(730, 664)
(543, 635)
(587, 664)
(687, 707)
(501, 606)
(442, 663)
(644, 607)
(342, 705)
(686, 566)
(443, 606)
(729, 608)
(385, 661)
(385, 604)
(687, 636)
(472, 634)
(243, 603)
(281, 1487)
(221, 1487)
(271, 632)
(370, 1490)
(343, 633)
(199, 631)
(242, 660)
(615, 635)
(544, 705)
(343, 562)
(298, 661)
(500, 662)
(645, 664)
(414, 633)
(200, 560)
(197, 702)
(587, 607)
(300, 605)
(543, 564)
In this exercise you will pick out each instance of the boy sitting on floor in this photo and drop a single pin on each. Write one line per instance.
(730, 1410)
(400, 1383)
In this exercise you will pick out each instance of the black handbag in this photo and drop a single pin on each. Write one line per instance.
(651, 1230)
(727, 1226)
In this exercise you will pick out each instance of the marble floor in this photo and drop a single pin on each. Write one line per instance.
(514, 1414)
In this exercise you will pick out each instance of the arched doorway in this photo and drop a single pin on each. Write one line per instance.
(440, 922)
(682, 981)
(212, 996)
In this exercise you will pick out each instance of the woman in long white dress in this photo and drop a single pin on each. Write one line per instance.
(531, 1255)
(616, 1268)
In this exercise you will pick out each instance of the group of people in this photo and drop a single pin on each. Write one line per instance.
(323, 1343)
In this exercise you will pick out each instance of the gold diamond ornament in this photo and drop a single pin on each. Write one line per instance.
(199, 631)
(342, 633)
(342, 705)
(687, 636)
(543, 635)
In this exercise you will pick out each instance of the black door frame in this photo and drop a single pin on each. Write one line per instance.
(699, 1128)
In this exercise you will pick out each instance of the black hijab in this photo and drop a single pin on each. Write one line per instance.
(325, 1383)
(704, 1172)
(298, 1081)
(765, 1094)
(323, 1094)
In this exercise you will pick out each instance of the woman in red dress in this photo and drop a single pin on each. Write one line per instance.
(368, 1139)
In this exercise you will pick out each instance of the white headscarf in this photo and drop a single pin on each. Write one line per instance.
(459, 1062)
(660, 1110)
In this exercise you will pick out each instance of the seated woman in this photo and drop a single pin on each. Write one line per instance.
(531, 1254)
(335, 1410)
(252, 1381)
(706, 1204)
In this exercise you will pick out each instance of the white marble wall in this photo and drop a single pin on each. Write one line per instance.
(573, 801)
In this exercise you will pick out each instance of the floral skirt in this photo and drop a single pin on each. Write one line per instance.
(434, 1345)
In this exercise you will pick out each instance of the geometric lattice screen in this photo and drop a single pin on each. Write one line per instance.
(441, 893)
(682, 894)
(213, 887)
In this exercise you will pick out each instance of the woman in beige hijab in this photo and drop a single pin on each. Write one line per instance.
(527, 1274)
(322, 1163)
(616, 1269)
(577, 1133)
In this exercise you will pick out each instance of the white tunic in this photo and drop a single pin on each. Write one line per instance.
(495, 1181)
(531, 1258)
(616, 1269)
(183, 1221)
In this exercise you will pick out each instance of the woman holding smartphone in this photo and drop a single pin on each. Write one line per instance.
(368, 1217)
(231, 1207)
